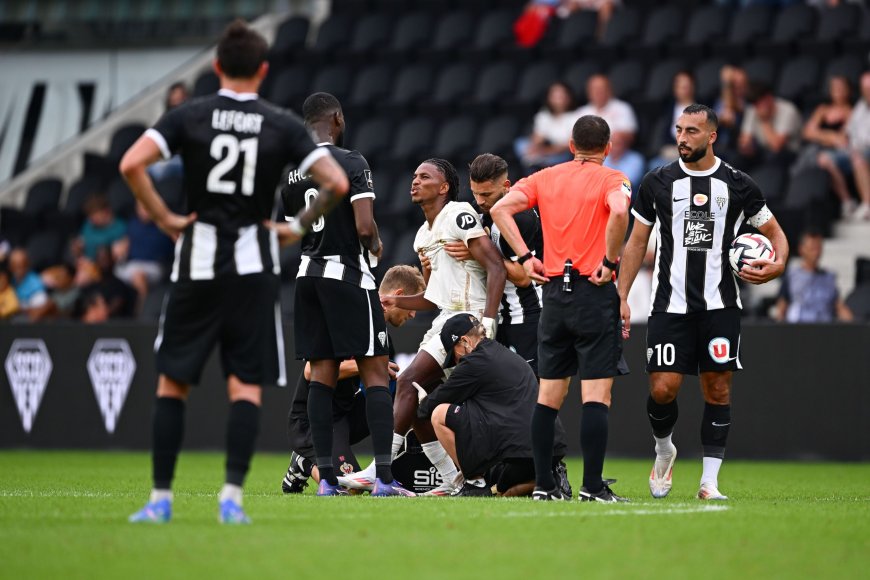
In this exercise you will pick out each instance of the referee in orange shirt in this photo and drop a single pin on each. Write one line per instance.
(584, 217)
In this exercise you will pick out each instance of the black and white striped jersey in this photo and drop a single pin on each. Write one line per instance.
(332, 249)
(696, 215)
(519, 305)
(234, 147)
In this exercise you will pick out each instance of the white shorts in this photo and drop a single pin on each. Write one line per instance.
(431, 342)
(153, 270)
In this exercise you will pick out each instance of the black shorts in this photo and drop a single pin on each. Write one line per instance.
(689, 343)
(580, 331)
(474, 458)
(522, 338)
(241, 313)
(337, 320)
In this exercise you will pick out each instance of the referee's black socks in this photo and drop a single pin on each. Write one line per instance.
(593, 442)
(379, 414)
(320, 419)
(167, 431)
(243, 425)
(662, 418)
(543, 434)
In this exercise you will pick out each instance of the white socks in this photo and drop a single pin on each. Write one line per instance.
(160, 495)
(664, 445)
(230, 491)
(710, 476)
(398, 443)
(442, 462)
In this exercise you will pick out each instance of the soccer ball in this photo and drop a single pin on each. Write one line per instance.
(748, 247)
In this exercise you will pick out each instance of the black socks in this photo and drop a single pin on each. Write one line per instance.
(167, 432)
(714, 429)
(379, 414)
(320, 418)
(662, 418)
(243, 425)
(543, 433)
(593, 441)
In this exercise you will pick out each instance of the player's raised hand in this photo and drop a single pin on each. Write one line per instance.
(761, 271)
(535, 270)
(173, 224)
(458, 251)
(625, 316)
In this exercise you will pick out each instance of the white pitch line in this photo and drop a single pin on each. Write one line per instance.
(621, 511)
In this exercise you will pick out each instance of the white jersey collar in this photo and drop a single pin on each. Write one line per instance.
(230, 94)
(710, 171)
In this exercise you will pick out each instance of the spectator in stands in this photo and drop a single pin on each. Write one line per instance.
(33, 300)
(826, 141)
(91, 307)
(858, 132)
(809, 293)
(120, 298)
(730, 109)
(618, 114)
(548, 144)
(9, 306)
(60, 282)
(683, 96)
(143, 254)
(771, 129)
(625, 159)
(101, 227)
(170, 168)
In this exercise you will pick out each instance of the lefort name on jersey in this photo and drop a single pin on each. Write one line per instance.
(237, 121)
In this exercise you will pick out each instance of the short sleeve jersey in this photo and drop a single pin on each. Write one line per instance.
(696, 216)
(453, 284)
(234, 147)
(572, 201)
(332, 241)
(519, 303)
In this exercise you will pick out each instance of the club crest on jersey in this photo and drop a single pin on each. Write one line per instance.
(719, 349)
(720, 201)
(369, 181)
(699, 199)
(382, 336)
(465, 221)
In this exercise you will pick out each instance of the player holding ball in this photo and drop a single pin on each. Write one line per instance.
(699, 203)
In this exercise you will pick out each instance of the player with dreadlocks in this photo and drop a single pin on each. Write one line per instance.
(473, 286)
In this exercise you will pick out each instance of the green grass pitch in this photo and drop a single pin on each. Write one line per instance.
(63, 515)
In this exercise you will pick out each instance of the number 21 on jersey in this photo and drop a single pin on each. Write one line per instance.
(226, 148)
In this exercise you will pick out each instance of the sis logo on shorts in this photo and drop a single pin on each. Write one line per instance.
(720, 349)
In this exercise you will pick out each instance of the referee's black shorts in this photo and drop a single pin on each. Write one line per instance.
(241, 313)
(580, 331)
(337, 320)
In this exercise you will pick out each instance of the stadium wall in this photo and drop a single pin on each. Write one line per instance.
(804, 393)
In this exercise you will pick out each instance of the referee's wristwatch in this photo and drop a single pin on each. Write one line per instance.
(525, 257)
(612, 266)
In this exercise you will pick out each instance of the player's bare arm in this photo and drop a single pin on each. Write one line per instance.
(632, 258)
(515, 271)
(134, 168)
(488, 256)
(366, 228)
(614, 234)
(761, 271)
(503, 215)
(334, 185)
(413, 302)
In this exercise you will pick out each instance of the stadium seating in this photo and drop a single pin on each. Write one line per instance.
(444, 77)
